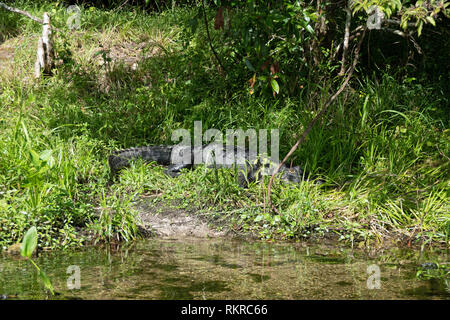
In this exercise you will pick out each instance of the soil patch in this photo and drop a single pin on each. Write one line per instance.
(166, 221)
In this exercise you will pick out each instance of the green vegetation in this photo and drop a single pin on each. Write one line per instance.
(29, 244)
(130, 77)
(436, 272)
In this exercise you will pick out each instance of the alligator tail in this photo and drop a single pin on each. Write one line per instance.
(123, 158)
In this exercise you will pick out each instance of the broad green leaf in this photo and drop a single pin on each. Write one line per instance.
(259, 218)
(46, 156)
(397, 4)
(357, 8)
(46, 281)
(42, 170)
(431, 20)
(309, 28)
(388, 12)
(275, 85)
(35, 158)
(403, 24)
(249, 65)
(25, 131)
(29, 243)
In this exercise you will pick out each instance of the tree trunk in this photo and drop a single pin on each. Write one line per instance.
(45, 55)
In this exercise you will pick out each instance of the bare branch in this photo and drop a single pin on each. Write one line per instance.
(354, 34)
(348, 21)
(316, 118)
(407, 36)
(398, 22)
(209, 37)
(22, 12)
(397, 32)
(4, 6)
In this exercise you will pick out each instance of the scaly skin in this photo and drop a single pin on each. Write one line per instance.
(249, 166)
(123, 158)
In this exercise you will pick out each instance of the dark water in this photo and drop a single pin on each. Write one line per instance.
(226, 269)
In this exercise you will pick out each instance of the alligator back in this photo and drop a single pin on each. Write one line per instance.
(250, 166)
(123, 158)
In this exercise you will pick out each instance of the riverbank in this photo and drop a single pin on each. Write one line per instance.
(129, 78)
(172, 221)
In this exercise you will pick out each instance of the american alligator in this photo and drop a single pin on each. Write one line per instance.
(249, 165)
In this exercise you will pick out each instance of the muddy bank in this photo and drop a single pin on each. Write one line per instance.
(168, 221)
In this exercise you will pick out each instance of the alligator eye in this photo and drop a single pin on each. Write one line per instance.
(291, 170)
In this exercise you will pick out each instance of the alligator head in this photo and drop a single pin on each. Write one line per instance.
(292, 175)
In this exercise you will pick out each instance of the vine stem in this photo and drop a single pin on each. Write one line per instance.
(209, 37)
(34, 264)
(313, 121)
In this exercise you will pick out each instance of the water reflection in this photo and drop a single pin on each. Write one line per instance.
(225, 269)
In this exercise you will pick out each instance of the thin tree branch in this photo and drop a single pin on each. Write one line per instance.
(348, 21)
(407, 36)
(354, 34)
(316, 118)
(209, 37)
(398, 22)
(22, 12)
(4, 6)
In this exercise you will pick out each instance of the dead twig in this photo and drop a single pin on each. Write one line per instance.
(4, 6)
(209, 38)
(316, 118)
(348, 21)
(24, 13)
